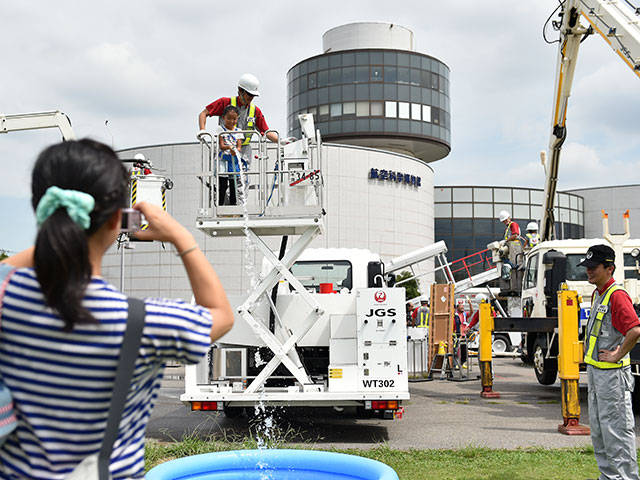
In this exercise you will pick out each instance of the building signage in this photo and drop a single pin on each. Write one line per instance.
(392, 176)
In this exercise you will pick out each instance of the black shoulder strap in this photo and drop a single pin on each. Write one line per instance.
(124, 373)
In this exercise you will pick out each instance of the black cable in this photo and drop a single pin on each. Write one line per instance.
(635, 9)
(544, 27)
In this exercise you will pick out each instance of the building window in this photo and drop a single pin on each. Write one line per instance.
(403, 110)
(536, 211)
(442, 195)
(502, 195)
(498, 207)
(435, 84)
(390, 109)
(323, 110)
(377, 109)
(521, 213)
(482, 195)
(323, 78)
(362, 109)
(462, 225)
(462, 194)
(376, 73)
(442, 210)
(404, 76)
(336, 109)
(349, 74)
(483, 210)
(536, 197)
(312, 80)
(520, 195)
(349, 108)
(415, 77)
(426, 113)
(415, 111)
(462, 210)
(335, 76)
(390, 74)
(362, 74)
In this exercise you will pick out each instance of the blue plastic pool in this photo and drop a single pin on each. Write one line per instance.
(272, 465)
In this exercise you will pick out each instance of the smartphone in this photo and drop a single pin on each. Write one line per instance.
(131, 220)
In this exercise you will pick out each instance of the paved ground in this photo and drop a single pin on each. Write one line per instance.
(440, 414)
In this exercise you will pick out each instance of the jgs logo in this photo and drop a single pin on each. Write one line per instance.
(380, 296)
(381, 312)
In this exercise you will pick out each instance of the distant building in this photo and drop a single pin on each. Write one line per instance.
(370, 87)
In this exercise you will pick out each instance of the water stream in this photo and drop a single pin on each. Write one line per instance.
(266, 425)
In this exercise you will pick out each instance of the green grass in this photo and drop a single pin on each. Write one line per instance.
(469, 463)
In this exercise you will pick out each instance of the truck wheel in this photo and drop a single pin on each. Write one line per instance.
(546, 369)
(501, 344)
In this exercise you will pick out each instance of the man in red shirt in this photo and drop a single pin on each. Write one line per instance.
(612, 331)
(250, 117)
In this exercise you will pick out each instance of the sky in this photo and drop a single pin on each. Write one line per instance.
(149, 67)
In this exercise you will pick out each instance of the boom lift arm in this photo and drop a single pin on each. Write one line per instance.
(34, 121)
(618, 26)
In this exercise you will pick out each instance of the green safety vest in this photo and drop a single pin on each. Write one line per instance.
(533, 238)
(595, 332)
(507, 232)
(424, 319)
(250, 119)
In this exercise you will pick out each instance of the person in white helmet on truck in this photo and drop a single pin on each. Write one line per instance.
(512, 233)
(531, 238)
(250, 116)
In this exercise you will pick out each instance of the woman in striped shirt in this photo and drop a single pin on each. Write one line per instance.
(62, 323)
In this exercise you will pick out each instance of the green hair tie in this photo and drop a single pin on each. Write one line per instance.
(77, 204)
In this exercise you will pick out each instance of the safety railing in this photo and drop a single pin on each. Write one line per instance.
(273, 180)
(471, 265)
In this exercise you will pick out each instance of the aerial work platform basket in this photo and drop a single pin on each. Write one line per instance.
(280, 187)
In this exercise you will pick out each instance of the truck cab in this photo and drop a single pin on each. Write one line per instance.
(555, 262)
(539, 274)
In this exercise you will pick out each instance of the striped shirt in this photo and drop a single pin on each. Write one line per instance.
(62, 382)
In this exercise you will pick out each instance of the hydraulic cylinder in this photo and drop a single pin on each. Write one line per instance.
(485, 353)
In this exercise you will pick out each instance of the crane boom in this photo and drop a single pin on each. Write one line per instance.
(618, 26)
(33, 121)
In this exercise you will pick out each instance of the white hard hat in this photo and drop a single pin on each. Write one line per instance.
(503, 215)
(424, 298)
(481, 297)
(532, 226)
(249, 83)
(139, 156)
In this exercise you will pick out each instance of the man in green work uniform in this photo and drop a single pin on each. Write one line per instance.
(612, 331)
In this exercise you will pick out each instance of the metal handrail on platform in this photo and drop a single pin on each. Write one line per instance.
(283, 186)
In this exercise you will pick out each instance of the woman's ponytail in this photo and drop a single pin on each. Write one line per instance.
(78, 168)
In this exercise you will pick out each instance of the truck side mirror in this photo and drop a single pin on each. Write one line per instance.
(375, 272)
(555, 274)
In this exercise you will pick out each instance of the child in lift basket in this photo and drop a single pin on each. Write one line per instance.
(230, 142)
